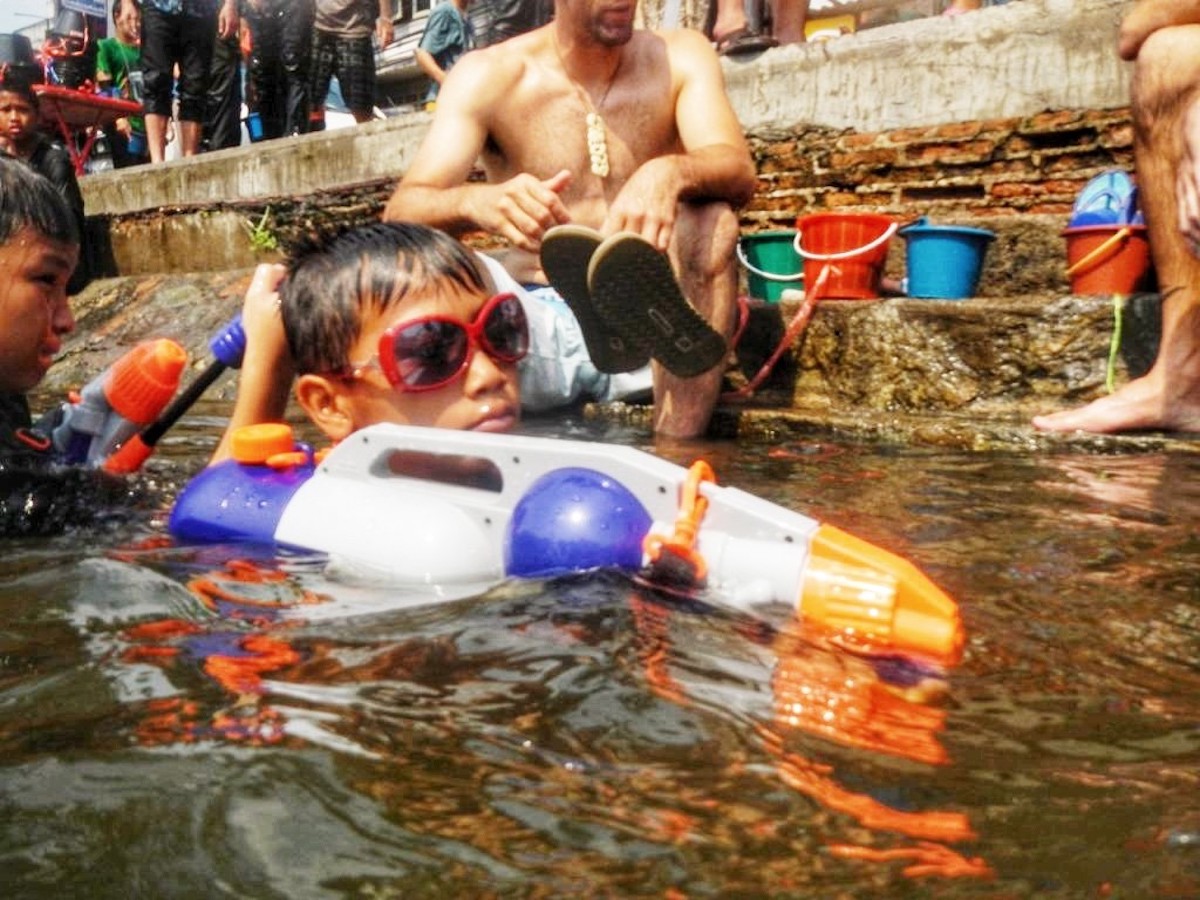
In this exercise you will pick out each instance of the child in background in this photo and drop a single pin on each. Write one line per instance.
(20, 137)
(448, 35)
(383, 323)
(119, 69)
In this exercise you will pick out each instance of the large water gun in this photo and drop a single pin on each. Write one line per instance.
(433, 507)
(118, 417)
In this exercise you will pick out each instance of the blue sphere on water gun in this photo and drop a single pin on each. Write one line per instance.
(572, 519)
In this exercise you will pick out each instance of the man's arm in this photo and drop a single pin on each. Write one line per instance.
(435, 191)
(266, 374)
(715, 163)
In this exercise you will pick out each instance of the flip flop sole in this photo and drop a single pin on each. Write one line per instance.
(566, 252)
(635, 292)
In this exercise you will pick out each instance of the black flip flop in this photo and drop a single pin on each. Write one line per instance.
(566, 252)
(744, 40)
(635, 292)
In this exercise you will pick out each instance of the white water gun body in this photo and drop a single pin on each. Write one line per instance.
(435, 507)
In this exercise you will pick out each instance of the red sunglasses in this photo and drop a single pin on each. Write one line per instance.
(430, 352)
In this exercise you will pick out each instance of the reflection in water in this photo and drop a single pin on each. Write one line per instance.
(195, 717)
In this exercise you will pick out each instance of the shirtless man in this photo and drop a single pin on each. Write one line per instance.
(1163, 37)
(678, 163)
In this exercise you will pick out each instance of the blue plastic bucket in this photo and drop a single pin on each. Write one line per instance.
(254, 127)
(944, 262)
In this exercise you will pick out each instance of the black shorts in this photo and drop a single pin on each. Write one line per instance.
(171, 39)
(352, 60)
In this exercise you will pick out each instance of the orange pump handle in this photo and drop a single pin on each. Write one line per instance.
(692, 507)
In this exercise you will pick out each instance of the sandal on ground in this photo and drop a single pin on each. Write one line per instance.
(743, 40)
(566, 252)
(635, 292)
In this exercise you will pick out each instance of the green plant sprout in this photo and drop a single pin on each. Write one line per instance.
(262, 238)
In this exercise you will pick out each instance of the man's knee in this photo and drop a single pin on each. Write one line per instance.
(1167, 71)
(705, 237)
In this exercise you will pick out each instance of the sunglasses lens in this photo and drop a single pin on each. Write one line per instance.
(429, 353)
(506, 330)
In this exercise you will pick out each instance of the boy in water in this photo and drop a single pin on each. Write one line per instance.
(39, 249)
(390, 322)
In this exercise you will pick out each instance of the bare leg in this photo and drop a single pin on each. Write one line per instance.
(731, 16)
(788, 21)
(1166, 88)
(156, 136)
(189, 137)
(702, 254)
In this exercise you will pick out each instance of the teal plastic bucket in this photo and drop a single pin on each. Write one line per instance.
(944, 262)
(771, 262)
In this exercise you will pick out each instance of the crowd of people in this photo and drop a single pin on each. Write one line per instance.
(614, 166)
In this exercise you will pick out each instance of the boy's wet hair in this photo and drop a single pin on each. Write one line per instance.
(336, 276)
(28, 200)
(15, 81)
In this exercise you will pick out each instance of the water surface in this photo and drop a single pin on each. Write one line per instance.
(165, 732)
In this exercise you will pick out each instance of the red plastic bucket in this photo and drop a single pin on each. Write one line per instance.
(1107, 259)
(853, 245)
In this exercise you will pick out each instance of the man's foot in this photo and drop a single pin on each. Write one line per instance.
(635, 292)
(1141, 405)
(566, 252)
(743, 40)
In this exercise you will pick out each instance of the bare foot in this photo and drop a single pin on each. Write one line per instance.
(1147, 403)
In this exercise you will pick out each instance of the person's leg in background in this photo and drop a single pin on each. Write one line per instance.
(1165, 105)
(198, 38)
(295, 59)
(323, 61)
(356, 75)
(266, 75)
(160, 40)
(788, 18)
(223, 121)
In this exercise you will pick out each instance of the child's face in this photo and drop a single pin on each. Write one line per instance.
(484, 398)
(129, 23)
(34, 313)
(18, 119)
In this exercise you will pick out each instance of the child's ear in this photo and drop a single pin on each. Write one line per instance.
(324, 400)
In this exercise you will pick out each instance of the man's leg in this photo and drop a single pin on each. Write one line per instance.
(702, 254)
(1166, 89)
(197, 40)
(222, 124)
(158, 49)
(296, 51)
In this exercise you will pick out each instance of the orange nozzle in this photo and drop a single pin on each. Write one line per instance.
(129, 457)
(255, 444)
(867, 593)
(142, 382)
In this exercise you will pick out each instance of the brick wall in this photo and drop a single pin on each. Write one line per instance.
(1030, 165)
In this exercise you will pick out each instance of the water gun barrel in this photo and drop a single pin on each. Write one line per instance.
(228, 347)
(842, 583)
(114, 405)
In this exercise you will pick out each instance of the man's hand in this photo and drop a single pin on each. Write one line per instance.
(646, 204)
(523, 208)
(227, 20)
(385, 31)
